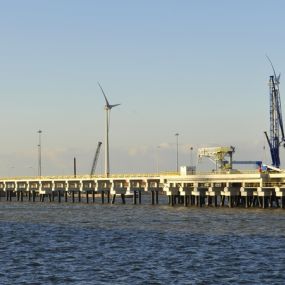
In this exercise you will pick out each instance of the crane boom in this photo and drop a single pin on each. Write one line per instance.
(95, 160)
(276, 122)
(254, 162)
(275, 86)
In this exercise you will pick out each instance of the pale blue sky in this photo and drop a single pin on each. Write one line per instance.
(193, 67)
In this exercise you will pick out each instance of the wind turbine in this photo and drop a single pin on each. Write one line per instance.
(108, 108)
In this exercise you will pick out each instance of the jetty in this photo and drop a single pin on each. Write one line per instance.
(229, 188)
(225, 186)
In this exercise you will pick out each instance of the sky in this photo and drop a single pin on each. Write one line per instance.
(197, 68)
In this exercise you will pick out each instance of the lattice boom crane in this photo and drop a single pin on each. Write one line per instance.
(95, 160)
(276, 122)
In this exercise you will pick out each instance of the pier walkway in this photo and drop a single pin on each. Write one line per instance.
(232, 188)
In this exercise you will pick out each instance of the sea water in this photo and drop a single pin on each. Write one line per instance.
(52, 243)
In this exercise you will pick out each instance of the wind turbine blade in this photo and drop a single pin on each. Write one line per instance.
(272, 67)
(115, 105)
(107, 103)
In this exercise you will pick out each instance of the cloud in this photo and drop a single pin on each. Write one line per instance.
(138, 150)
(165, 145)
(146, 149)
(55, 154)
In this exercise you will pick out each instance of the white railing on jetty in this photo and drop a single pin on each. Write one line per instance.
(129, 175)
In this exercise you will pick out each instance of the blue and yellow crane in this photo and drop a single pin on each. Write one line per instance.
(276, 123)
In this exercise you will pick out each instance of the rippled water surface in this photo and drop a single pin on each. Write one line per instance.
(49, 243)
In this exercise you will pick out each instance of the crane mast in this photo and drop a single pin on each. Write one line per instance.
(276, 122)
(95, 160)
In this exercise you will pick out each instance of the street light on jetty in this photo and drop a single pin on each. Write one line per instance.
(191, 156)
(177, 151)
(40, 154)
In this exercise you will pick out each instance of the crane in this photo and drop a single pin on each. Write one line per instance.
(276, 122)
(218, 155)
(95, 160)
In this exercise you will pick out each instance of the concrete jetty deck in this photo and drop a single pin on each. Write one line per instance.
(229, 188)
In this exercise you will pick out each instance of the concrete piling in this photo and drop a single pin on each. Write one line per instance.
(156, 196)
(93, 196)
(152, 197)
(87, 196)
(108, 196)
(113, 199)
(123, 198)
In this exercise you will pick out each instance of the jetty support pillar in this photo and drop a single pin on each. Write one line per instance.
(280, 194)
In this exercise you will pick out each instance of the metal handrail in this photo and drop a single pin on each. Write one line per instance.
(127, 175)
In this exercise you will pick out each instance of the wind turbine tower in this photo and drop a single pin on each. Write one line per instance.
(108, 108)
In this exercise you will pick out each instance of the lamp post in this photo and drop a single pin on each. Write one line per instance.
(40, 154)
(177, 151)
(191, 156)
